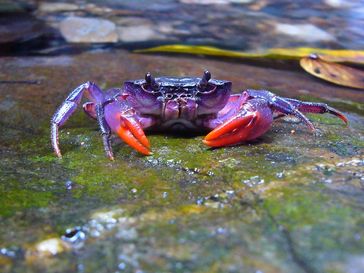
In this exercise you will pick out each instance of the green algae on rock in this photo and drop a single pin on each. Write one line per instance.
(289, 202)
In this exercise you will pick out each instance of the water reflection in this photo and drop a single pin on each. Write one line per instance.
(233, 24)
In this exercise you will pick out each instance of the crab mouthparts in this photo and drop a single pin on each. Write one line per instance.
(179, 108)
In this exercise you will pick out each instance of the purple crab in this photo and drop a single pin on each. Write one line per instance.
(171, 103)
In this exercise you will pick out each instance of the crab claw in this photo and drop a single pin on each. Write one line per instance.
(233, 131)
(132, 133)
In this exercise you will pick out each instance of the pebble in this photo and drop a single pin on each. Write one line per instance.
(47, 248)
(16, 27)
(139, 33)
(88, 30)
(57, 7)
(304, 32)
(338, 3)
(216, 2)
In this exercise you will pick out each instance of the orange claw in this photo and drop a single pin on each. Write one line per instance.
(231, 132)
(125, 134)
(136, 130)
(229, 126)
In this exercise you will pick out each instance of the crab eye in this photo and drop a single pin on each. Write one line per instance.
(207, 89)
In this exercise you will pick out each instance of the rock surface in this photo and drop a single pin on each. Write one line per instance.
(139, 33)
(88, 30)
(304, 32)
(289, 202)
(57, 7)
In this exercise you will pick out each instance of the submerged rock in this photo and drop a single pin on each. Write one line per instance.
(46, 248)
(57, 7)
(140, 33)
(304, 32)
(216, 2)
(19, 27)
(88, 30)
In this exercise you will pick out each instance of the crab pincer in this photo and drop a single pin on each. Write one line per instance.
(234, 130)
(132, 133)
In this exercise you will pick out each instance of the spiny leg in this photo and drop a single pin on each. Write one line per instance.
(294, 107)
(285, 107)
(317, 108)
(69, 106)
(105, 131)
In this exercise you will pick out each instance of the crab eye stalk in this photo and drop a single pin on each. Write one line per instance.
(149, 79)
(205, 79)
(204, 86)
(150, 84)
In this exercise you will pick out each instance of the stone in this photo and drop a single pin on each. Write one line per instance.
(46, 248)
(139, 33)
(19, 27)
(304, 32)
(88, 30)
(215, 2)
(338, 3)
(57, 7)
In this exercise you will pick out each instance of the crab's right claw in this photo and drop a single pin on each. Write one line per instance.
(235, 130)
(132, 133)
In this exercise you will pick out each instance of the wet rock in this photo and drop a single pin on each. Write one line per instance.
(5, 263)
(338, 3)
(57, 7)
(150, 213)
(8, 6)
(88, 30)
(46, 248)
(99, 10)
(19, 27)
(74, 235)
(215, 2)
(141, 33)
(304, 32)
(355, 264)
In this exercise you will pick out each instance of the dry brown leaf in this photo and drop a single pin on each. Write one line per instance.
(333, 72)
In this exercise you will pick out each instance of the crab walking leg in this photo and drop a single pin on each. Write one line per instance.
(64, 112)
(105, 130)
(294, 107)
(281, 105)
(316, 107)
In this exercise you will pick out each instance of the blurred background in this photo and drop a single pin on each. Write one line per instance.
(49, 27)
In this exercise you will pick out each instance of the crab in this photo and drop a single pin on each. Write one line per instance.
(180, 104)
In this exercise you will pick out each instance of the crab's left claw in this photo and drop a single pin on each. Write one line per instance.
(235, 130)
(132, 133)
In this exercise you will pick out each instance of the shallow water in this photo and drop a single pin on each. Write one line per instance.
(243, 25)
(291, 201)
